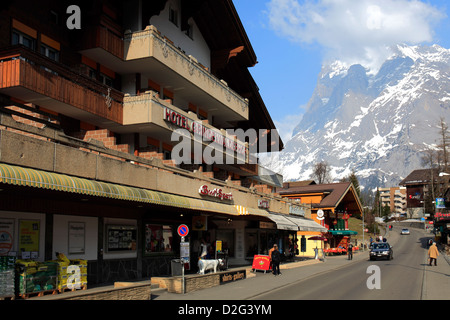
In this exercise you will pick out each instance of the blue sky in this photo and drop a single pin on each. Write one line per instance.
(292, 38)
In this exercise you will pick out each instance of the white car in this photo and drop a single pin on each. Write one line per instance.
(405, 231)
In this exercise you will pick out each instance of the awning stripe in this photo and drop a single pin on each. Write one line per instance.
(15, 175)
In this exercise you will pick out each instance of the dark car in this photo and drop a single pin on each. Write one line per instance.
(381, 250)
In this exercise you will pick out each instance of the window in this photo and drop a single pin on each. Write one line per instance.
(158, 238)
(173, 16)
(106, 80)
(21, 38)
(121, 238)
(190, 31)
(50, 52)
(54, 17)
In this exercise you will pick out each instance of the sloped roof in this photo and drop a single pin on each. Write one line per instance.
(420, 177)
(335, 194)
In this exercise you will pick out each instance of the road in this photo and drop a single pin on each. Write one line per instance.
(400, 278)
(406, 277)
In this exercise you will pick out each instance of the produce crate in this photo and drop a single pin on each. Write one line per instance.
(36, 278)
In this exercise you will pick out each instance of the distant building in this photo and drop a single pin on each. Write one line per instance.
(395, 198)
(423, 186)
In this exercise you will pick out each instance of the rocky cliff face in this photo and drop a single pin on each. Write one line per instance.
(375, 124)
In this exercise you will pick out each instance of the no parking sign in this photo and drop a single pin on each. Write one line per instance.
(183, 230)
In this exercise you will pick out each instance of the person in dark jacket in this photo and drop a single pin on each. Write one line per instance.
(350, 251)
(275, 259)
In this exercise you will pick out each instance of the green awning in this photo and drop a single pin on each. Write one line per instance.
(15, 175)
(342, 232)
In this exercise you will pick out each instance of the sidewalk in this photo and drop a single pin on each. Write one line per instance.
(260, 282)
(436, 279)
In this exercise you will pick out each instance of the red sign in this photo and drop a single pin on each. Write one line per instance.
(183, 230)
(261, 263)
(216, 193)
(441, 216)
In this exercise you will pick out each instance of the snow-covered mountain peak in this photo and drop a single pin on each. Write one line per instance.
(373, 124)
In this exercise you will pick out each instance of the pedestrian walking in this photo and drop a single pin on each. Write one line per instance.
(433, 253)
(350, 251)
(275, 258)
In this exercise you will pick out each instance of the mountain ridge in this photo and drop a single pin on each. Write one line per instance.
(375, 123)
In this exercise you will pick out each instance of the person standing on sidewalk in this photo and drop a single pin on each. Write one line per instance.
(433, 253)
(275, 258)
(350, 251)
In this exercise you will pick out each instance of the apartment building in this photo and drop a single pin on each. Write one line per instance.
(90, 98)
(395, 199)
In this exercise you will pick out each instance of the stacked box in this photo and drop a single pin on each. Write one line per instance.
(62, 274)
(7, 282)
(72, 271)
(80, 280)
(34, 276)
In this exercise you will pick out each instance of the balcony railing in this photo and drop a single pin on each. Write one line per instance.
(102, 37)
(20, 67)
(149, 43)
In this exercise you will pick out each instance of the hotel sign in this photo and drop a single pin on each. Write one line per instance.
(207, 134)
(297, 210)
(262, 203)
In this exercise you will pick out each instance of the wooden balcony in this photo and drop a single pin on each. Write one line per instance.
(100, 37)
(33, 78)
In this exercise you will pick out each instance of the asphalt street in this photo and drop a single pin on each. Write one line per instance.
(406, 277)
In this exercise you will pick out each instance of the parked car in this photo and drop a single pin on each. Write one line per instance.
(381, 250)
(404, 231)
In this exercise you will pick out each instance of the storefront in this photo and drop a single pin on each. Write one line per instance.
(442, 227)
(332, 205)
(127, 233)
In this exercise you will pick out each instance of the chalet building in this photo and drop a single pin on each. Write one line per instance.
(88, 109)
(331, 206)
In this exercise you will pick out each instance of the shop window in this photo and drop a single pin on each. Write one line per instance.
(21, 38)
(120, 238)
(158, 238)
(227, 237)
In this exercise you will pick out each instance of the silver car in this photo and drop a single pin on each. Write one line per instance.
(404, 231)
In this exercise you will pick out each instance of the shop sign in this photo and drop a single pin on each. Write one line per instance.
(29, 233)
(261, 262)
(232, 276)
(297, 210)
(320, 214)
(207, 134)
(262, 203)
(267, 225)
(216, 193)
(440, 203)
(441, 216)
(199, 223)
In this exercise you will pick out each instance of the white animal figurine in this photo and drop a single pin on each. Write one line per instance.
(209, 264)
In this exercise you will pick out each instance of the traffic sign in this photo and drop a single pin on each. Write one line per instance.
(183, 230)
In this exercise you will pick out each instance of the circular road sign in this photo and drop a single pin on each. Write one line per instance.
(183, 230)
